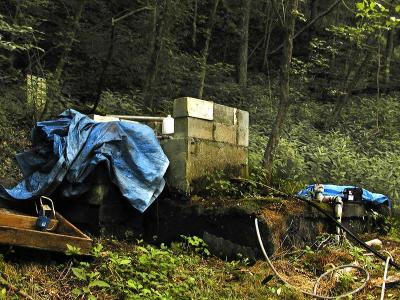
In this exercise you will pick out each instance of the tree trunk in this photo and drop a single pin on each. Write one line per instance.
(70, 35)
(388, 56)
(55, 87)
(267, 37)
(288, 32)
(16, 20)
(311, 30)
(313, 15)
(309, 24)
(349, 86)
(194, 25)
(107, 61)
(244, 43)
(152, 67)
(204, 52)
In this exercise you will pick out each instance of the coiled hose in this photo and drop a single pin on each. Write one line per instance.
(314, 293)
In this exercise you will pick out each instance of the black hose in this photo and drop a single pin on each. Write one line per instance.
(362, 243)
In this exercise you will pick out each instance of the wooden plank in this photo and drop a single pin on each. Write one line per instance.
(67, 228)
(42, 240)
(21, 221)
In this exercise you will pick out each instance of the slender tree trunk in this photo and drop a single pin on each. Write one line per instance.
(311, 30)
(152, 67)
(244, 43)
(16, 20)
(55, 87)
(106, 63)
(288, 33)
(349, 86)
(204, 52)
(313, 15)
(194, 25)
(309, 24)
(332, 63)
(70, 36)
(267, 37)
(388, 56)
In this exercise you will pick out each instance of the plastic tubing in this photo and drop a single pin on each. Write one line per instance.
(314, 293)
(388, 259)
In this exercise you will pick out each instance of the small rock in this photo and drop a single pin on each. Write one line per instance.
(375, 243)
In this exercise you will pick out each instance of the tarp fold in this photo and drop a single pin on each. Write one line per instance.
(67, 150)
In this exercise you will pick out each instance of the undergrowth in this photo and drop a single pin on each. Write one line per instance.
(184, 270)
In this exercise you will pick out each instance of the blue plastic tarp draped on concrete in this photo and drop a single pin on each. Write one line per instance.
(337, 190)
(65, 151)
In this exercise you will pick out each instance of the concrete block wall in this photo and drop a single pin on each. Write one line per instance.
(208, 137)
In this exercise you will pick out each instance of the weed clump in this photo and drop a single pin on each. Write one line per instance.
(320, 261)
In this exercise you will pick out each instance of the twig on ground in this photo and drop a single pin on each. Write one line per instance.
(67, 272)
(14, 288)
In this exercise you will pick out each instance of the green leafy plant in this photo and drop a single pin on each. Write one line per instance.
(218, 185)
(196, 244)
(72, 250)
(90, 278)
(359, 254)
(97, 250)
(345, 282)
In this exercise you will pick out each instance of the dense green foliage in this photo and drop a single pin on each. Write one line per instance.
(147, 272)
(362, 150)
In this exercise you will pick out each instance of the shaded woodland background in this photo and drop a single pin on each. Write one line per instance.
(135, 57)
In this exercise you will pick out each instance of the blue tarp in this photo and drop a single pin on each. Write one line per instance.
(65, 151)
(337, 190)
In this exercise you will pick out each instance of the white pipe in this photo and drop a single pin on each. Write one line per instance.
(388, 259)
(138, 118)
(338, 214)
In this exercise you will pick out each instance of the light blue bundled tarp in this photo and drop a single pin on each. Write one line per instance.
(65, 151)
(337, 190)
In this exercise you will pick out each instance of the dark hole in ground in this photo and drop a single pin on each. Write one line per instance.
(228, 231)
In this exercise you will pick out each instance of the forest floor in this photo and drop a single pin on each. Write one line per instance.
(132, 270)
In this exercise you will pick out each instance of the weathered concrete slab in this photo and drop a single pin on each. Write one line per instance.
(225, 133)
(177, 151)
(224, 114)
(192, 107)
(177, 174)
(227, 158)
(193, 159)
(174, 146)
(193, 127)
(243, 128)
